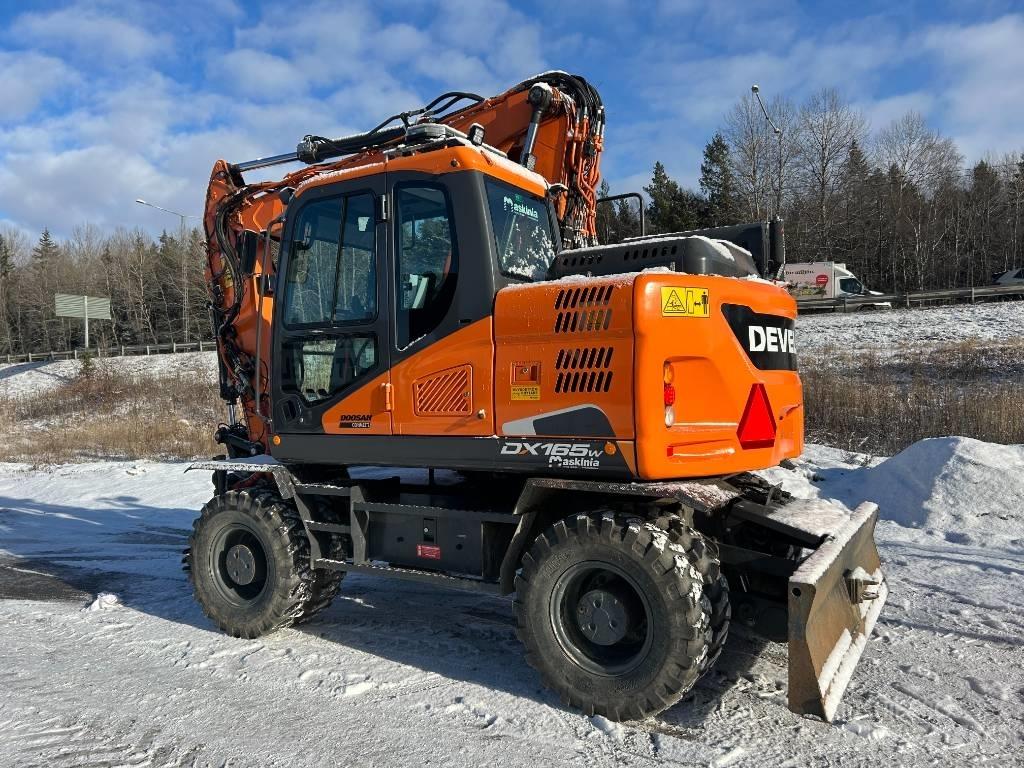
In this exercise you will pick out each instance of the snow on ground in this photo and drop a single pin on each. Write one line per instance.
(902, 329)
(399, 673)
(17, 379)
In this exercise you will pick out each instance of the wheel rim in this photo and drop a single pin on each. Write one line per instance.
(239, 564)
(601, 618)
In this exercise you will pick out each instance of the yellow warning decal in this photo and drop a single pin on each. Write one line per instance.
(685, 302)
(525, 392)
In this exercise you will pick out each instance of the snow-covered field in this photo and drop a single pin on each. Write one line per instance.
(18, 379)
(404, 674)
(908, 329)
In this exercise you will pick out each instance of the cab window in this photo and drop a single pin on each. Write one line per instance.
(523, 236)
(332, 275)
(427, 261)
(330, 289)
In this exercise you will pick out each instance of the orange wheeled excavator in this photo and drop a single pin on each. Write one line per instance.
(430, 295)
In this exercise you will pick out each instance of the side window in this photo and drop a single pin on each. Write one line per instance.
(332, 272)
(309, 285)
(330, 285)
(427, 261)
(851, 285)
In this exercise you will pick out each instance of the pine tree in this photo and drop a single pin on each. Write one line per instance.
(716, 182)
(6, 260)
(607, 229)
(854, 227)
(45, 251)
(627, 219)
(672, 208)
(40, 291)
(6, 276)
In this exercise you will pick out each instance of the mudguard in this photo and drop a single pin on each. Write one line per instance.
(835, 597)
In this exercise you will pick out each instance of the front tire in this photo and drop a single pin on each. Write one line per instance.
(611, 616)
(249, 565)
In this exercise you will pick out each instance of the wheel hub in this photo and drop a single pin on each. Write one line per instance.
(241, 565)
(602, 617)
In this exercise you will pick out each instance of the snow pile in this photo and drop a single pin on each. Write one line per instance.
(967, 489)
(104, 602)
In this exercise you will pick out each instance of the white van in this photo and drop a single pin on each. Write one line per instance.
(827, 280)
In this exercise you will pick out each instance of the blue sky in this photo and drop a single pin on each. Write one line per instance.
(104, 101)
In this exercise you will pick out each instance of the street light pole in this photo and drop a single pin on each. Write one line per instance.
(778, 135)
(184, 259)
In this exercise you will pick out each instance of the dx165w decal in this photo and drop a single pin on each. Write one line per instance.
(768, 340)
(568, 455)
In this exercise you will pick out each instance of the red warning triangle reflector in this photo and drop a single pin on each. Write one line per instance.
(757, 426)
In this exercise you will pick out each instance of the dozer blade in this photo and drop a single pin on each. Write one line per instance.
(835, 597)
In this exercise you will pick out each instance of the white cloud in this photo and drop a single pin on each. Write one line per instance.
(880, 112)
(981, 92)
(96, 184)
(90, 33)
(258, 74)
(29, 79)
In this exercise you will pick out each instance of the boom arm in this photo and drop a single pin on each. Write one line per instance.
(552, 123)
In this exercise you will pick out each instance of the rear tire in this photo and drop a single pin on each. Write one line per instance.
(249, 564)
(716, 586)
(611, 617)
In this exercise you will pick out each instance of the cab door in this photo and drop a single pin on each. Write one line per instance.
(442, 344)
(331, 325)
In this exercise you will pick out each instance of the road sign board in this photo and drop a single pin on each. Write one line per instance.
(93, 307)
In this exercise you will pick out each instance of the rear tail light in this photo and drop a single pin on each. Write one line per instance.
(757, 425)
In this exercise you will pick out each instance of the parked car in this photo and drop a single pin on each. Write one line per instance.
(1009, 277)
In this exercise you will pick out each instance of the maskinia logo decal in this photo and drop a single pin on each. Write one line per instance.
(519, 208)
(566, 455)
(768, 340)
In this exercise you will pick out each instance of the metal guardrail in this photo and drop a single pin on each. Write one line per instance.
(124, 350)
(854, 303)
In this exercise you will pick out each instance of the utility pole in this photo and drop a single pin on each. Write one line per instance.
(754, 89)
(184, 259)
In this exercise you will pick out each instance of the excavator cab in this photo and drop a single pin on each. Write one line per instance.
(383, 312)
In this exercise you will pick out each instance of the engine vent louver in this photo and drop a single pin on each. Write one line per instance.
(446, 393)
(581, 310)
(584, 369)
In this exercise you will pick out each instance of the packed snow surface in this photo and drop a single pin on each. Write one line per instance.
(898, 330)
(405, 674)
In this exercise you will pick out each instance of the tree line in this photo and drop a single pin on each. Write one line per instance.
(156, 288)
(897, 204)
